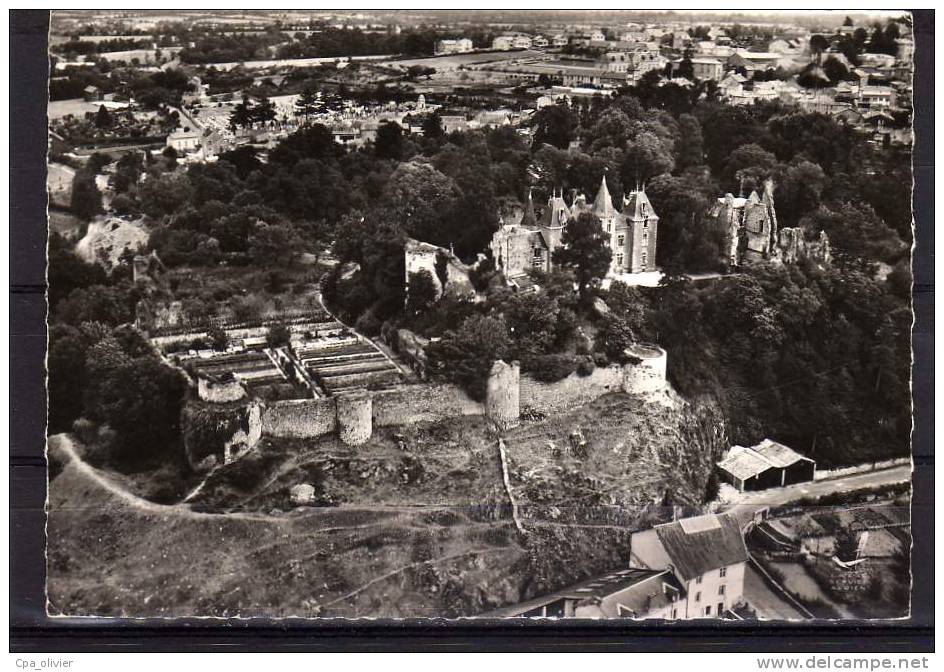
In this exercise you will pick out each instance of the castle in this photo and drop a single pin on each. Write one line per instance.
(526, 241)
(751, 235)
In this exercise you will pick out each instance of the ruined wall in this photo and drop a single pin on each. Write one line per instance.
(512, 250)
(300, 418)
(422, 403)
(572, 391)
(502, 394)
(793, 246)
(420, 256)
(354, 417)
(245, 439)
(646, 372)
(219, 433)
(220, 392)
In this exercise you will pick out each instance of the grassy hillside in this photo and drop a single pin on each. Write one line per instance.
(420, 528)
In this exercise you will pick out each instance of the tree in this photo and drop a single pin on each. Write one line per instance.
(690, 145)
(218, 337)
(813, 76)
(128, 171)
(86, 201)
(818, 44)
(432, 126)
(389, 142)
(586, 250)
(466, 355)
(646, 157)
(278, 335)
(243, 115)
(421, 293)
(264, 112)
(96, 303)
(847, 544)
(103, 118)
(308, 103)
(274, 244)
(835, 70)
(164, 195)
(554, 125)
(142, 402)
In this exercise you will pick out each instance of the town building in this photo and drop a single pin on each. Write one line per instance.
(91, 93)
(184, 140)
(707, 68)
(706, 555)
(624, 593)
(460, 46)
(767, 465)
(752, 61)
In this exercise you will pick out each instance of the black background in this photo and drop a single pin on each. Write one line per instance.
(32, 631)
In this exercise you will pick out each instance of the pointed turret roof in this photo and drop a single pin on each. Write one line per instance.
(557, 214)
(529, 219)
(603, 203)
(636, 206)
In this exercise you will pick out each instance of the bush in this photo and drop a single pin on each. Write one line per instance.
(585, 366)
(368, 324)
(551, 368)
(278, 335)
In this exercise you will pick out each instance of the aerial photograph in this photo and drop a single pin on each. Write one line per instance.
(490, 314)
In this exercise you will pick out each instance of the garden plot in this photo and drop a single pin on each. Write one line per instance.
(346, 363)
(253, 368)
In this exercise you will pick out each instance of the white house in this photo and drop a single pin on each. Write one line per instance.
(707, 556)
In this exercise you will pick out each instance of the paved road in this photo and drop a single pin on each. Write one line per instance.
(769, 605)
(745, 508)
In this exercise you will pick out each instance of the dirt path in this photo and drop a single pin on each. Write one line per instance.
(64, 444)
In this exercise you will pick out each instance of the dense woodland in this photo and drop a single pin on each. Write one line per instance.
(817, 358)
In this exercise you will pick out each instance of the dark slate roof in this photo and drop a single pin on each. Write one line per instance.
(644, 592)
(703, 543)
(637, 207)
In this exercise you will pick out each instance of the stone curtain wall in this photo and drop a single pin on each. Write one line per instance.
(354, 415)
(422, 403)
(300, 419)
(572, 391)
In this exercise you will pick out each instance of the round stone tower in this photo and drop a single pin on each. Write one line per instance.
(355, 421)
(502, 400)
(645, 371)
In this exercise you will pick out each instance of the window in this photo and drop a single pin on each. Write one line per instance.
(621, 240)
(698, 597)
(619, 259)
(708, 610)
(723, 572)
(645, 224)
(721, 590)
(675, 613)
(698, 579)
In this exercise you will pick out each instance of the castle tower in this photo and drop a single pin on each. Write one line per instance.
(554, 220)
(642, 227)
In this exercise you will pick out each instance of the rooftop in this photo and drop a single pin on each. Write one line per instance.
(703, 543)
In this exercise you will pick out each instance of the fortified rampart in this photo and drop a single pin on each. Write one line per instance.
(353, 416)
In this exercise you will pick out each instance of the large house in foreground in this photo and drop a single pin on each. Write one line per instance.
(690, 568)
(527, 239)
(706, 555)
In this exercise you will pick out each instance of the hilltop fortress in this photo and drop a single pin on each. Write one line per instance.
(238, 422)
